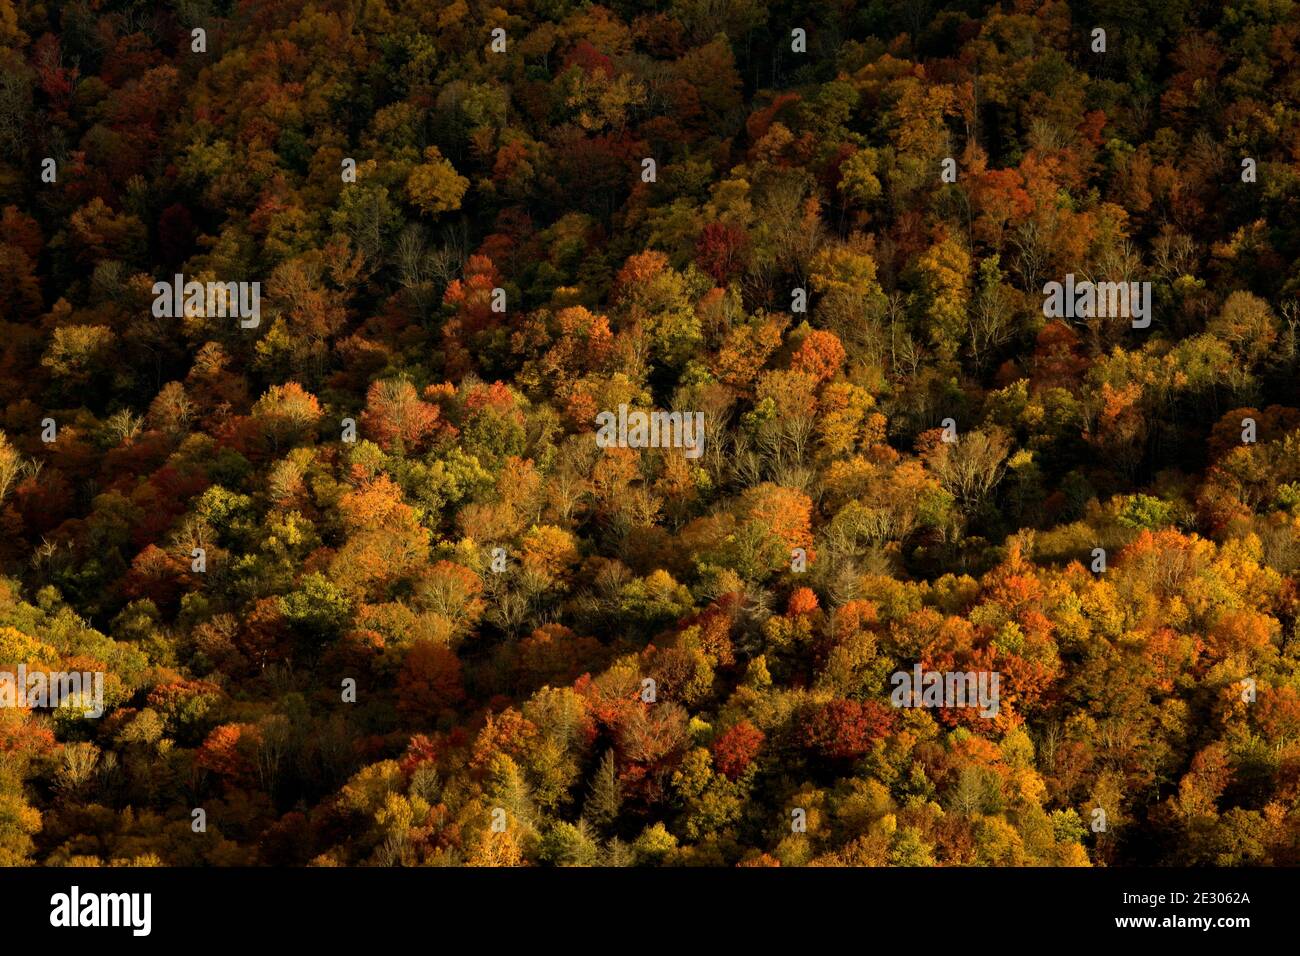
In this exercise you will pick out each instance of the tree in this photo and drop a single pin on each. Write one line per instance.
(605, 797)
(944, 272)
(656, 298)
(10, 466)
(396, 418)
(783, 515)
(990, 322)
(434, 187)
(78, 355)
(568, 844)
(429, 682)
(171, 410)
(287, 414)
(736, 748)
(845, 729)
(971, 467)
(720, 250)
(1247, 324)
(376, 648)
(820, 355)
(858, 180)
(230, 751)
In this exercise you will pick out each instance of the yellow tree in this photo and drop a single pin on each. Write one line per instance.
(944, 271)
(434, 186)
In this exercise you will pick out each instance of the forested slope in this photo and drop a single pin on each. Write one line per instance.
(365, 588)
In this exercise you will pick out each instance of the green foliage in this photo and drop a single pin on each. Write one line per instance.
(317, 607)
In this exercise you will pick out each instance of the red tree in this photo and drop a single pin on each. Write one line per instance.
(736, 748)
(846, 729)
(429, 682)
(720, 250)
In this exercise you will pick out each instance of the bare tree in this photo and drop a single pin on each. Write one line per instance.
(989, 323)
(1030, 243)
(971, 468)
(11, 466)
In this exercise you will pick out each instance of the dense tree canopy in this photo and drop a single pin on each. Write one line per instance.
(365, 588)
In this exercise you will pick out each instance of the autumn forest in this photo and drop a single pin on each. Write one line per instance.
(551, 433)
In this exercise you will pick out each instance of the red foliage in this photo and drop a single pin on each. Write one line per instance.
(761, 121)
(720, 250)
(394, 413)
(421, 749)
(846, 729)
(553, 654)
(429, 682)
(590, 59)
(471, 297)
(55, 79)
(821, 355)
(736, 748)
(157, 576)
(1058, 359)
(230, 751)
(802, 601)
(44, 503)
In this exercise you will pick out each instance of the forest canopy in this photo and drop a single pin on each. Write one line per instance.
(361, 581)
